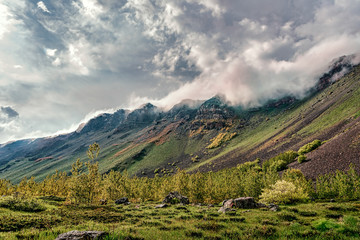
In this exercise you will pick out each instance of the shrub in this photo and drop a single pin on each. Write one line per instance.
(309, 147)
(297, 177)
(325, 225)
(278, 165)
(287, 157)
(283, 192)
(22, 205)
(302, 158)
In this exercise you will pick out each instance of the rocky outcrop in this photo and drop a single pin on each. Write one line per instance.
(82, 235)
(175, 197)
(338, 68)
(216, 109)
(105, 122)
(245, 203)
(273, 207)
(145, 114)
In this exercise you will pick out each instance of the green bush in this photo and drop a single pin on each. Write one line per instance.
(22, 205)
(309, 147)
(278, 165)
(302, 158)
(325, 225)
(287, 157)
(283, 192)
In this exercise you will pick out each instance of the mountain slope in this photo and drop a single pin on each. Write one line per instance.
(206, 135)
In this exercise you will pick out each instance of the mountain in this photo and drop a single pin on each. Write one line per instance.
(208, 135)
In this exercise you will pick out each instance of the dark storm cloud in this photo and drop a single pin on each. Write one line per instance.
(9, 112)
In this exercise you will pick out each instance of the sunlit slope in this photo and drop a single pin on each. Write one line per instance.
(209, 136)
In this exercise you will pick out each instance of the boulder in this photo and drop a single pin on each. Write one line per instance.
(273, 207)
(261, 205)
(224, 210)
(245, 203)
(82, 235)
(228, 203)
(123, 200)
(175, 197)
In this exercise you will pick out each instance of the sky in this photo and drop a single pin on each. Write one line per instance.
(63, 62)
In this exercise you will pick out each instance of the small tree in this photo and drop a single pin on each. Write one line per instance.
(86, 186)
(283, 192)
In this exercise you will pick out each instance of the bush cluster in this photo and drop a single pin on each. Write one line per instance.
(18, 204)
(280, 161)
(309, 147)
(283, 192)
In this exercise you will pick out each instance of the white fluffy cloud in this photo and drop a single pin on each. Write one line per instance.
(250, 58)
(42, 6)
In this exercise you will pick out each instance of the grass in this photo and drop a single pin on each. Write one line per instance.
(143, 221)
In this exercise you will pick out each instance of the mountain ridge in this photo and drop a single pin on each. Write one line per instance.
(193, 135)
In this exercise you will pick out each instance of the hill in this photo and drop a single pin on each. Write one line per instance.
(209, 135)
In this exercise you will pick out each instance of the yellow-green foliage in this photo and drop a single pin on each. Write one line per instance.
(220, 139)
(280, 161)
(86, 185)
(283, 192)
(297, 177)
(5, 187)
(342, 185)
(19, 204)
(301, 158)
(309, 147)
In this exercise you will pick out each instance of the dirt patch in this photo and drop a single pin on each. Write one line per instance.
(337, 153)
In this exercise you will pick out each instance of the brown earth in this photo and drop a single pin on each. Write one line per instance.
(337, 153)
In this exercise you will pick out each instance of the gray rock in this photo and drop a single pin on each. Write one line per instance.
(261, 205)
(228, 203)
(164, 205)
(224, 210)
(273, 207)
(82, 235)
(245, 203)
(176, 197)
(123, 200)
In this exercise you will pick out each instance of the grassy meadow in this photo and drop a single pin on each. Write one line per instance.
(52, 216)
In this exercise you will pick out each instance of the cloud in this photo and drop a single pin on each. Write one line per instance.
(43, 7)
(9, 112)
(247, 58)
(69, 58)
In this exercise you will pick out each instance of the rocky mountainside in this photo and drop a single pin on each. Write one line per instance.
(207, 135)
